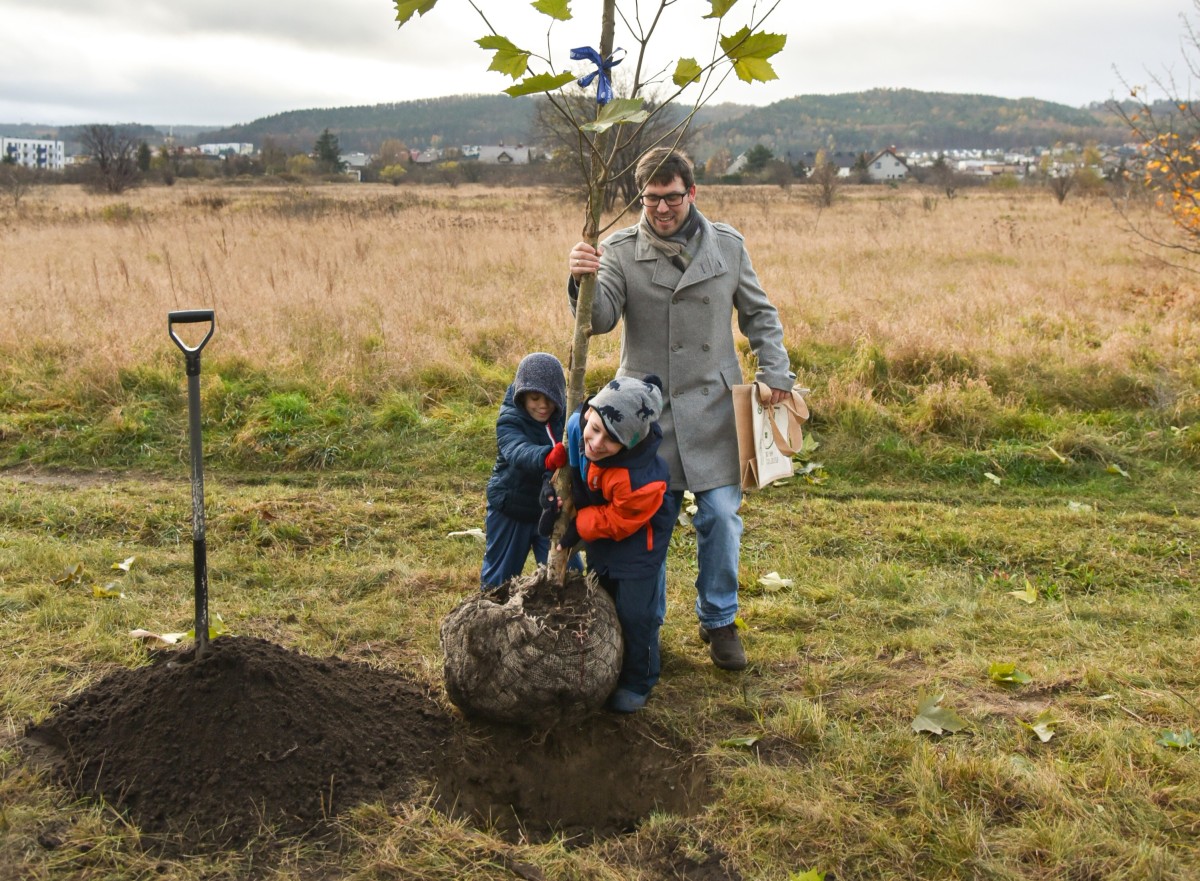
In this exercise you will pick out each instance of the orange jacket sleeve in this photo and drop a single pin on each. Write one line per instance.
(627, 511)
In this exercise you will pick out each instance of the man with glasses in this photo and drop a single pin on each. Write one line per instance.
(676, 279)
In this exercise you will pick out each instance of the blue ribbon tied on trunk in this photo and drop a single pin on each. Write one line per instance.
(604, 92)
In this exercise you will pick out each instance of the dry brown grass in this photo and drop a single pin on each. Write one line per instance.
(370, 285)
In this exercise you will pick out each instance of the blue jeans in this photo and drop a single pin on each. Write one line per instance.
(718, 547)
(509, 542)
(640, 603)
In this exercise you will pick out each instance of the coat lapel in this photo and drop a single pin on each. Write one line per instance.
(709, 262)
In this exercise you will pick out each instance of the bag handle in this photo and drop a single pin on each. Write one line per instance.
(793, 404)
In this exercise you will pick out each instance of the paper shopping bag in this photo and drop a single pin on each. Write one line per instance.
(768, 435)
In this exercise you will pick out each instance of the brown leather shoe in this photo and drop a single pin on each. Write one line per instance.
(724, 647)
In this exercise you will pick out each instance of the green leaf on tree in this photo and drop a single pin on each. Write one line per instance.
(687, 70)
(749, 53)
(406, 8)
(1177, 739)
(1008, 674)
(720, 7)
(557, 9)
(934, 718)
(508, 60)
(543, 82)
(1042, 726)
(617, 112)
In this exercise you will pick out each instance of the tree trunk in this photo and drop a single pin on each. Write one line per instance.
(598, 172)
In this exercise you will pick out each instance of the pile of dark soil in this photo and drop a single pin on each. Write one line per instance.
(211, 753)
(250, 736)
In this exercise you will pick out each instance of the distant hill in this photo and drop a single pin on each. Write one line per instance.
(907, 119)
(452, 121)
(854, 121)
(851, 122)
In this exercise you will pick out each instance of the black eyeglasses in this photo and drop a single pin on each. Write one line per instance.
(672, 199)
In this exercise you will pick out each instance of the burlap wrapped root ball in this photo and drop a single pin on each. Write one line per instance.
(531, 653)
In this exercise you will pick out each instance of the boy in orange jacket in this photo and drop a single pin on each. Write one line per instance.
(624, 515)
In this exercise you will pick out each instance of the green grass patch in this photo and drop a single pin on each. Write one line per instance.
(906, 570)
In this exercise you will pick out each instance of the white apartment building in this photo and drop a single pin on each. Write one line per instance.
(230, 149)
(34, 153)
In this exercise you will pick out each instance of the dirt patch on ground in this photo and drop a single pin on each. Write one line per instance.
(68, 479)
(593, 779)
(210, 753)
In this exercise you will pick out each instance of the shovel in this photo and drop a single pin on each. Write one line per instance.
(199, 548)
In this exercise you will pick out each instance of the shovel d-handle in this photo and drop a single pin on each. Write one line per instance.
(191, 316)
(199, 544)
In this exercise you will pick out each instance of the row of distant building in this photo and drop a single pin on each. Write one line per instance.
(885, 166)
(51, 155)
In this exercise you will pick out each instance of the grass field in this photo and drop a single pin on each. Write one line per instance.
(1006, 399)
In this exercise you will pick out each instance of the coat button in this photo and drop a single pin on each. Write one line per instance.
(704, 391)
(676, 347)
(675, 394)
(706, 299)
(705, 347)
(674, 301)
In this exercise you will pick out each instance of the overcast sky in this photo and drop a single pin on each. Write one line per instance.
(220, 62)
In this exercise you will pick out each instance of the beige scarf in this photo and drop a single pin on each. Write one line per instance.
(675, 248)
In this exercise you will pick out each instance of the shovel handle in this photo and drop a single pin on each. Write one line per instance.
(191, 353)
(190, 316)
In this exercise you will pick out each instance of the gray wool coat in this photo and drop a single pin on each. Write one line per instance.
(678, 326)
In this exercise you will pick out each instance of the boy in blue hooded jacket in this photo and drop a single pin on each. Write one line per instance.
(529, 434)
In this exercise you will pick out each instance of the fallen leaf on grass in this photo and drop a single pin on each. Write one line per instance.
(1079, 507)
(745, 741)
(810, 875)
(164, 638)
(110, 591)
(1042, 726)
(1178, 739)
(813, 472)
(71, 575)
(124, 564)
(1057, 455)
(1007, 674)
(1028, 595)
(773, 582)
(216, 627)
(688, 509)
(474, 532)
(992, 477)
(1114, 468)
(934, 718)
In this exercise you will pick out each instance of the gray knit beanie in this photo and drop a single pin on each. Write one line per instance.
(628, 406)
(541, 372)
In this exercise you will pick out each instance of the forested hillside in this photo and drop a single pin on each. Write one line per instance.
(456, 120)
(854, 121)
(908, 119)
(851, 122)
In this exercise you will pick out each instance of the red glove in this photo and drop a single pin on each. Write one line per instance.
(557, 457)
